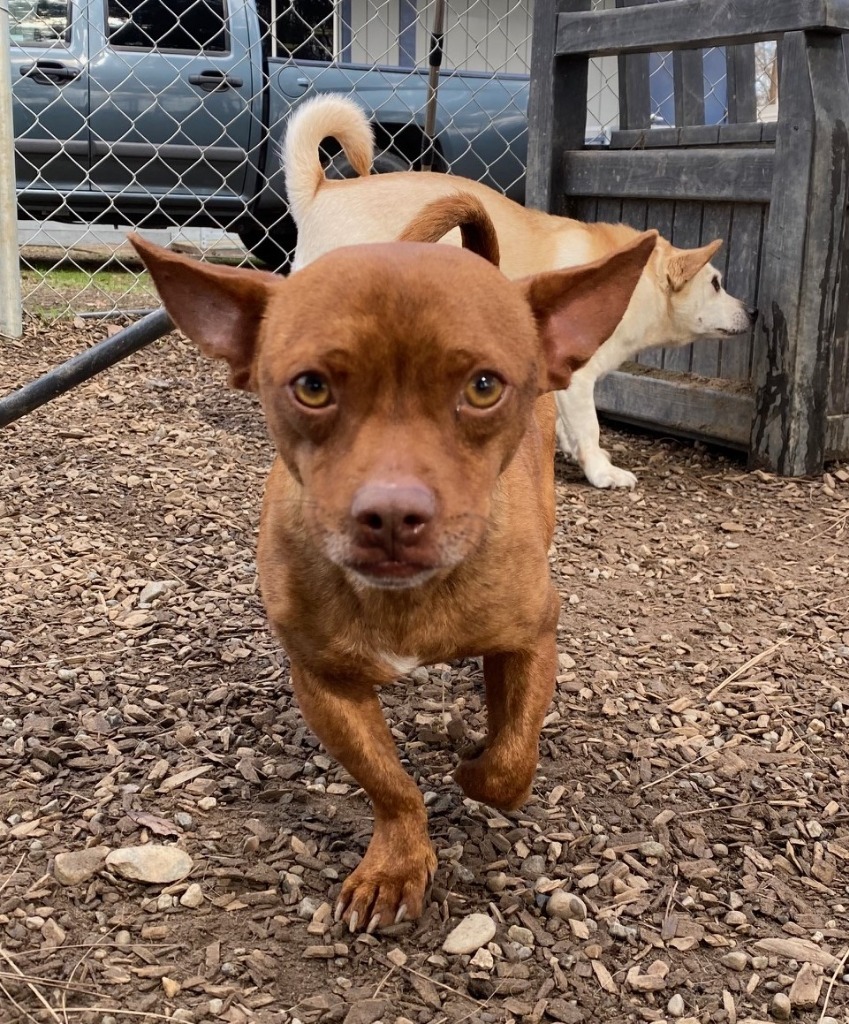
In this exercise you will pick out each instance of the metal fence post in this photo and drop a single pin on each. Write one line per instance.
(10, 277)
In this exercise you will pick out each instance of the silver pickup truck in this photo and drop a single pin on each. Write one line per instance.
(170, 112)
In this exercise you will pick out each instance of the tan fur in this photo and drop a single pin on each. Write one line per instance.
(674, 304)
(402, 523)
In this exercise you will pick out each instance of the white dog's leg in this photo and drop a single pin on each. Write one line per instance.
(578, 434)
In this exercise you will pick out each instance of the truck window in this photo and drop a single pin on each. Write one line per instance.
(184, 25)
(40, 22)
(297, 29)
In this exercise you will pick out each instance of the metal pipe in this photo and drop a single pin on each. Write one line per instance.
(437, 39)
(10, 276)
(83, 366)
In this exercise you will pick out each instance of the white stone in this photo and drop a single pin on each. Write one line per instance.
(470, 934)
(192, 897)
(566, 905)
(79, 865)
(153, 863)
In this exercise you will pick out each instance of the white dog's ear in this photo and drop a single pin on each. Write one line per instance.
(682, 265)
(220, 309)
(578, 308)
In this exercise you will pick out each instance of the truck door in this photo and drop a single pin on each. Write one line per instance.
(171, 98)
(50, 93)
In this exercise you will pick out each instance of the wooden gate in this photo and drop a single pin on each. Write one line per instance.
(777, 194)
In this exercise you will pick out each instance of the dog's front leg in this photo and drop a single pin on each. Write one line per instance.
(519, 688)
(389, 883)
(578, 433)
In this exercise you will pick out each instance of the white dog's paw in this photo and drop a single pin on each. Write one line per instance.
(607, 475)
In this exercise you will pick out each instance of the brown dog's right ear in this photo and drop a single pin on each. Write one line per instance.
(461, 210)
(578, 308)
(218, 308)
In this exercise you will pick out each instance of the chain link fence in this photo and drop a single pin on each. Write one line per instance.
(167, 117)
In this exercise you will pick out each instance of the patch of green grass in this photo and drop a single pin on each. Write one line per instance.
(53, 290)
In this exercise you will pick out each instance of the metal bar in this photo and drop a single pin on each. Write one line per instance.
(81, 367)
(437, 41)
(10, 278)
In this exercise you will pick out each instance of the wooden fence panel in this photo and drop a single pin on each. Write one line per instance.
(778, 195)
(804, 247)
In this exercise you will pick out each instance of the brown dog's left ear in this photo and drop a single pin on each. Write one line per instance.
(578, 308)
(218, 308)
(683, 264)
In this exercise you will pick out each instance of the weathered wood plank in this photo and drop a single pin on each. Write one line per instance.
(634, 213)
(688, 72)
(743, 268)
(752, 134)
(837, 437)
(609, 211)
(682, 25)
(838, 396)
(634, 87)
(693, 410)
(741, 175)
(716, 223)
(804, 247)
(557, 107)
(690, 409)
(741, 100)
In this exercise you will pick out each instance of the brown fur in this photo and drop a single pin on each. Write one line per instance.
(461, 210)
(398, 330)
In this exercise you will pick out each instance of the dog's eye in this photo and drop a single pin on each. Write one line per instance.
(484, 390)
(716, 285)
(312, 390)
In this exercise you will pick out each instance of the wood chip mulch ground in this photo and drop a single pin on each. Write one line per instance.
(685, 856)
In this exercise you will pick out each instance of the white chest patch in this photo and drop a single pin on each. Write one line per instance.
(400, 665)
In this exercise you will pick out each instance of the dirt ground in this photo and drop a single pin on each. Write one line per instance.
(693, 792)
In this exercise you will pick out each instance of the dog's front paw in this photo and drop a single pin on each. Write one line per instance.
(389, 884)
(605, 474)
(484, 779)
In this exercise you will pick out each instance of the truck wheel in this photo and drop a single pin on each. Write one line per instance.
(272, 244)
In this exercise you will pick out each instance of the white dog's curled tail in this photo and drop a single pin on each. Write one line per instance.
(315, 120)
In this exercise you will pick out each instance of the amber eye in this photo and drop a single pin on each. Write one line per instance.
(312, 390)
(484, 390)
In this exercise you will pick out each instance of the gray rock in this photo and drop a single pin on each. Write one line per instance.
(366, 1011)
(152, 863)
(79, 865)
(470, 934)
(533, 867)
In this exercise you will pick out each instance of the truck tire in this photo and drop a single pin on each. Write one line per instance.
(272, 244)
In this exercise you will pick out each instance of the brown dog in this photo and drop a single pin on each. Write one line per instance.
(408, 516)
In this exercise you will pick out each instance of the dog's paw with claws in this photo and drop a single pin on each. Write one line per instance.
(387, 887)
(484, 779)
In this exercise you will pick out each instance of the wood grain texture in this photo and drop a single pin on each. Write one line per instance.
(717, 173)
(684, 24)
(804, 252)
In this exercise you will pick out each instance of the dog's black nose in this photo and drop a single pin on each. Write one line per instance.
(392, 516)
(752, 313)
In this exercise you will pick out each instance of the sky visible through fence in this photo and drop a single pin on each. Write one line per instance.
(168, 117)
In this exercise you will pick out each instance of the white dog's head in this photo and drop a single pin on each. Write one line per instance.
(698, 305)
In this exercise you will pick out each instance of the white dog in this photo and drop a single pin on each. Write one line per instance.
(679, 298)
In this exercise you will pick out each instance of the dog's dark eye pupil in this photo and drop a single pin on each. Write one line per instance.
(485, 385)
(716, 285)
